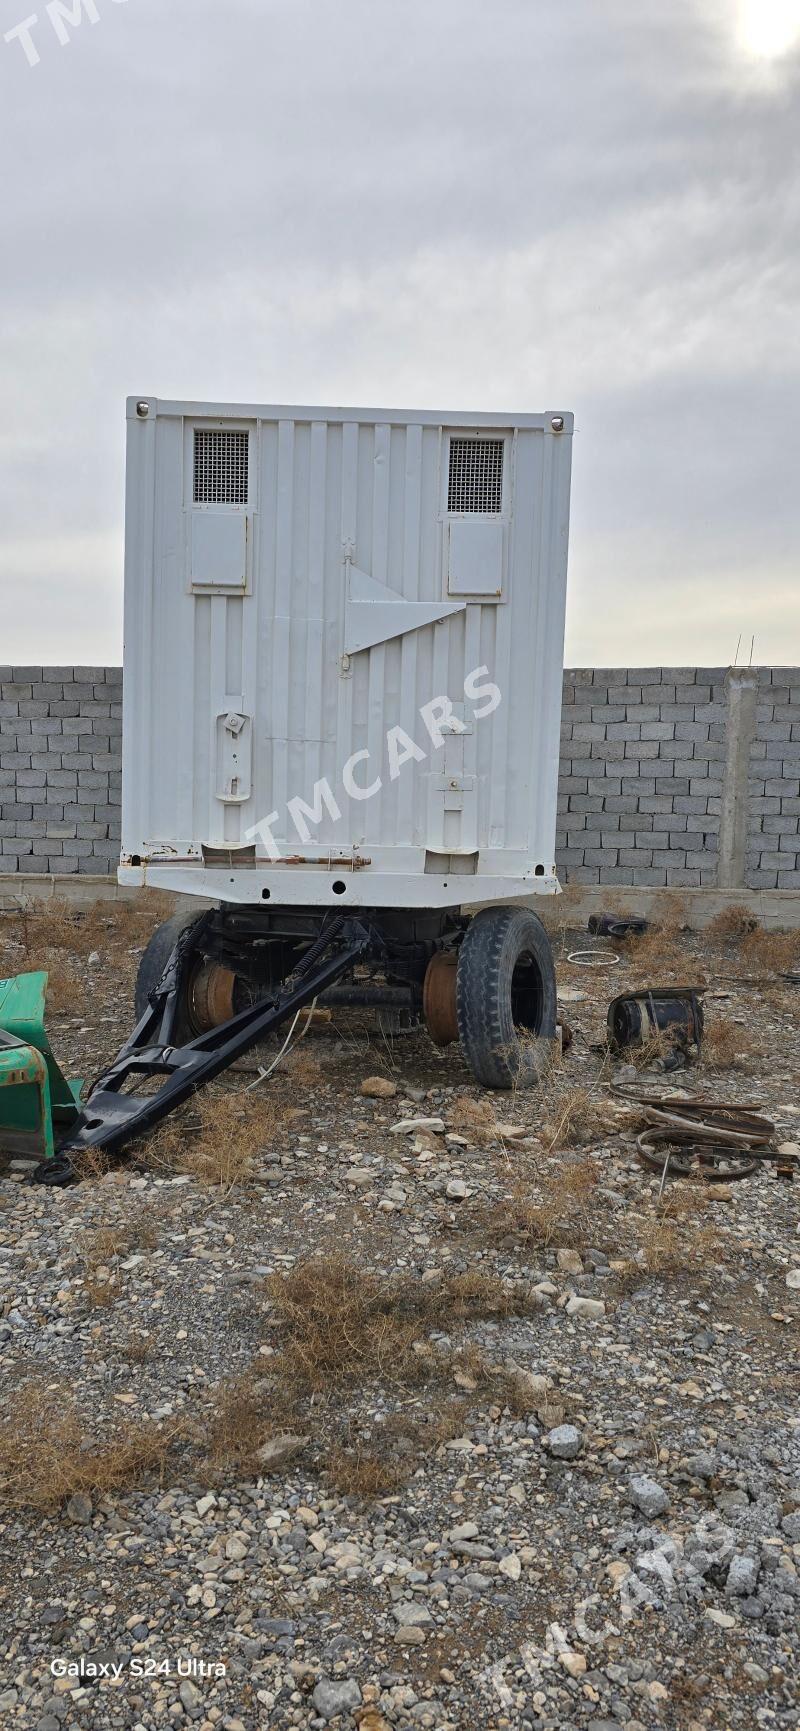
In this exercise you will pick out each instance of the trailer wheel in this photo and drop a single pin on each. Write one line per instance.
(506, 998)
(151, 968)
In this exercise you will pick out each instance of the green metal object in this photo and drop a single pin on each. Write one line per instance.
(37, 1103)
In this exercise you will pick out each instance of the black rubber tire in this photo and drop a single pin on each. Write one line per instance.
(505, 989)
(153, 963)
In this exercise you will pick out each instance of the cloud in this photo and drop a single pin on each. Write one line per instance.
(573, 204)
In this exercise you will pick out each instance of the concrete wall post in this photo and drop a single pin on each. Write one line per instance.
(741, 691)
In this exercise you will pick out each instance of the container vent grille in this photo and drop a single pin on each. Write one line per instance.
(221, 468)
(476, 476)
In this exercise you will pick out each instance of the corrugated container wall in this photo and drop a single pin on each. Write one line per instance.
(301, 583)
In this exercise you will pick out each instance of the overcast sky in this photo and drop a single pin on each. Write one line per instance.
(521, 204)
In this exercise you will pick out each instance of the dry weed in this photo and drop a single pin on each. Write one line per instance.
(674, 1239)
(559, 1211)
(776, 952)
(574, 1118)
(364, 1473)
(218, 1139)
(662, 948)
(137, 1348)
(101, 1291)
(731, 922)
(239, 1423)
(56, 936)
(345, 1327)
(726, 1046)
(474, 1119)
(105, 1244)
(45, 1456)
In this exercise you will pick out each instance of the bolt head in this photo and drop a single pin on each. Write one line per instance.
(143, 410)
(557, 423)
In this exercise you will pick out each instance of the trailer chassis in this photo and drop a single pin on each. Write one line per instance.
(111, 1119)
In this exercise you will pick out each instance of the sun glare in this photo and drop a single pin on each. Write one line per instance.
(769, 28)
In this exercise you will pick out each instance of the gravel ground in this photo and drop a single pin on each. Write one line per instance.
(617, 1545)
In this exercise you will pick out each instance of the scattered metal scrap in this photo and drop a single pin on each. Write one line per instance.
(617, 925)
(593, 959)
(672, 1014)
(706, 1139)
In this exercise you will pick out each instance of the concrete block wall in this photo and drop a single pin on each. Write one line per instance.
(772, 858)
(60, 769)
(640, 791)
(670, 776)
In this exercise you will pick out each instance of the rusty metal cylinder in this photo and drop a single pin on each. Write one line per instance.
(439, 998)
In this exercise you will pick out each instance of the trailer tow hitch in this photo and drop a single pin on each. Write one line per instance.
(111, 1119)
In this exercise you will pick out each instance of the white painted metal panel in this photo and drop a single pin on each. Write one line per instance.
(278, 635)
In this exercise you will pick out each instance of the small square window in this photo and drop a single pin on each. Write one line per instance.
(221, 467)
(476, 476)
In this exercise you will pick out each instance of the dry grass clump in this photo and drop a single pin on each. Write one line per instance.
(345, 1327)
(558, 1211)
(239, 1423)
(101, 1290)
(574, 1118)
(776, 952)
(100, 1246)
(726, 1046)
(474, 1119)
(218, 1140)
(56, 936)
(731, 922)
(45, 1456)
(662, 947)
(666, 1250)
(674, 1239)
(365, 1473)
(759, 950)
(381, 1464)
(137, 1348)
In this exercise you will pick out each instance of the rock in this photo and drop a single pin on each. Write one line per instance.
(574, 1663)
(569, 1261)
(742, 1577)
(793, 1280)
(79, 1509)
(409, 1636)
(360, 1177)
(378, 1088)
(280, 1449)
(790, 1150)
(407, 1126)
(191, 1699)
(591, 1309)
(467, 1530)
(565, 1442)
(535, 1386)
(456, 1190)
(650, 1498)
(340, 1697)
(372, 1720)
(236, 1548)
(701, 1465)
(721, 1618)
(510, 1566)
(411, 1616)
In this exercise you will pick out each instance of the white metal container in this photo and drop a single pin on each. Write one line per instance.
(300, 584)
